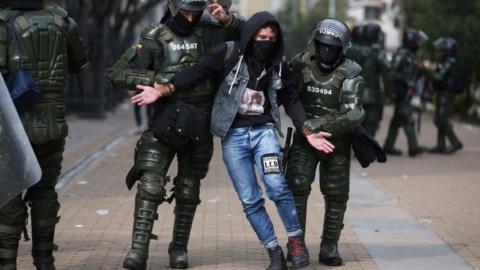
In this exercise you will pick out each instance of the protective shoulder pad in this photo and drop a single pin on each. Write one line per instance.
(154, 31)
(349, 69)
(301, 61)
(6, 15)
(57, 10)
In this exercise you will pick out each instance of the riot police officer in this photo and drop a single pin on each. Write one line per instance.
(404, 73)
(368, 53)
(165, 48)
(447, 81)
(329, 89)
(48, 59)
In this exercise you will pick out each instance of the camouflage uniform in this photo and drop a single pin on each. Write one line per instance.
(50, 49)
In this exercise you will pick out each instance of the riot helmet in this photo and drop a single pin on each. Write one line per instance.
(413, 38)
(190, 5)
(332, 32)
(358, 34)
(372, 33)
(332, 40)
(26, 4)
(447, 45)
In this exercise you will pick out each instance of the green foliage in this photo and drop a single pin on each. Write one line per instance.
(297, 25)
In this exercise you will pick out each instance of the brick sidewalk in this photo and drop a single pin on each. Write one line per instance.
(441, 191)
(97, 209)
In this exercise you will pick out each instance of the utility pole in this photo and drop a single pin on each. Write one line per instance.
(331, 8)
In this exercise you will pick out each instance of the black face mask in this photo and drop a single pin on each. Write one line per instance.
(328, 56)
(262, 49)
(181, 26)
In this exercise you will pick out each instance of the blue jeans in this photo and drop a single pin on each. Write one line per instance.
(245, 148)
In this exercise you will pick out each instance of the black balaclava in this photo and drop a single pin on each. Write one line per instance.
(262, 49)
(328, 56)
(181, 26)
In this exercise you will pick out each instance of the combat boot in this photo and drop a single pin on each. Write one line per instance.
(440, 147)
(329, 254)
(43, 260)
(298, 251)
(9, 238)
(436, 150)
(277, 259)
(416, 151)
(144, 217)
(43, 232)
(177, 251)
(335, 207)
(453, 148)
(392, 151)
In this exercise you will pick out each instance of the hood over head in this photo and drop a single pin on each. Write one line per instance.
(251, 27)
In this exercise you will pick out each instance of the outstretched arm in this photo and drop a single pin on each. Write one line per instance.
(209, 66)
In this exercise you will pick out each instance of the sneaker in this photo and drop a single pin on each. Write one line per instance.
(298, 251)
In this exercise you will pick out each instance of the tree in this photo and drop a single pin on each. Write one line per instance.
(108, 28)
(297, 25)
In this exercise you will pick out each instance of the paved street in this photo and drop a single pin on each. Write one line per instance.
(419, 213)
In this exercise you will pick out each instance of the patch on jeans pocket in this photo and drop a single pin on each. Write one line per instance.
(270, 164)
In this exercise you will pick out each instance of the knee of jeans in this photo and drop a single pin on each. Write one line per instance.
(279, 192)
(251, 205)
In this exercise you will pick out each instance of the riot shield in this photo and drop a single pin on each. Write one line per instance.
(19, 168)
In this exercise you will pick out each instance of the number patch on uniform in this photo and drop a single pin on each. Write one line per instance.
(183, 47)
(317, 90)
(271, 164)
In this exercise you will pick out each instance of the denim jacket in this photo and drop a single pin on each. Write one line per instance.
(229, 95)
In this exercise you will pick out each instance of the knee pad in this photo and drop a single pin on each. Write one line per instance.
(299, 185)
(152, 187)
(150, 154)
(187, 190)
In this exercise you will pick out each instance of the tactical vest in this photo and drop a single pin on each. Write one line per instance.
(42, 38)
(322, 94)
(181, 52)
